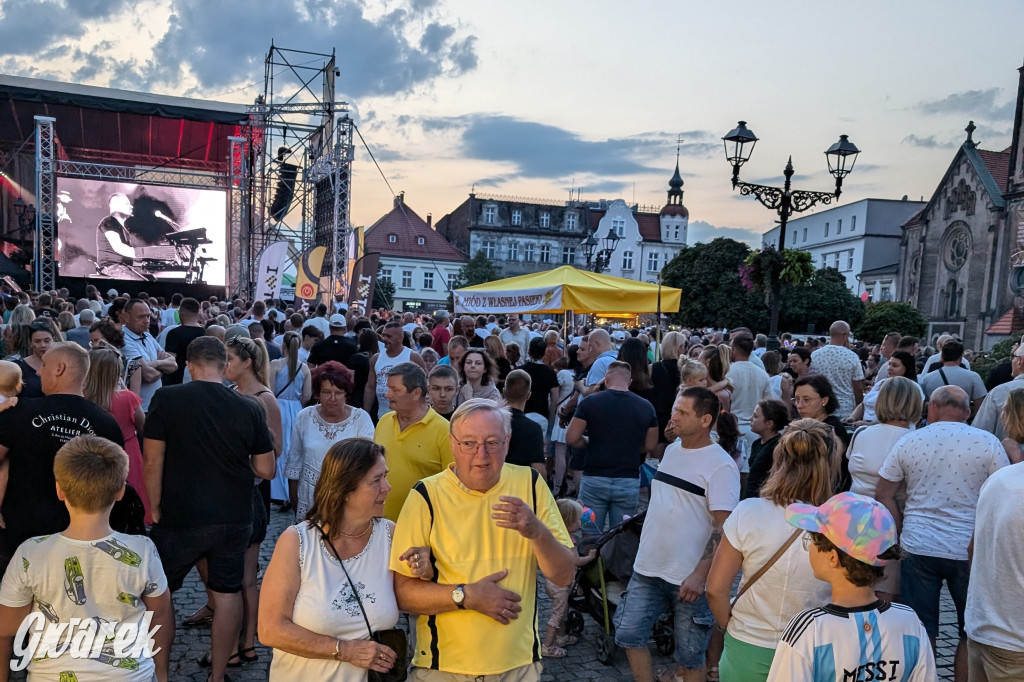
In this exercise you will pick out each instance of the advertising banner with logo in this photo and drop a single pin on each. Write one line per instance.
(270, 271)
(307, 277)
(540, 299)
(364, 278)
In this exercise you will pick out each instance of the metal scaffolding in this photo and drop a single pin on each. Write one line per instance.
(45, 268)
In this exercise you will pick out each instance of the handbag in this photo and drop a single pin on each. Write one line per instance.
(394, 638)
(764, 569)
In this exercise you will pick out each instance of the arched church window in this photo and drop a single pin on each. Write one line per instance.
(957, 247)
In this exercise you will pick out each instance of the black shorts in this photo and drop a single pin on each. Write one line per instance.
(260, 518)
(222, 545)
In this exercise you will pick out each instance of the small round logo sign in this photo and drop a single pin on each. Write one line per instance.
(307, 291)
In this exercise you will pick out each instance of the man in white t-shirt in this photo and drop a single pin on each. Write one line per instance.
(944, 466)
(989, 416)
(951, 372)
(750, 385)
(995, 610)
(695, 489)
(841, 366)
(516, 334)
(168, 316)
(138, 343)
(936, 358)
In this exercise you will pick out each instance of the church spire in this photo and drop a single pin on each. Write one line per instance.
(675, 191)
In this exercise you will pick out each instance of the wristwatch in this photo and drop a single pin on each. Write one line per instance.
(459, 596)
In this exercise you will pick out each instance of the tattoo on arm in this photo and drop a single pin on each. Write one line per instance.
(713, 542)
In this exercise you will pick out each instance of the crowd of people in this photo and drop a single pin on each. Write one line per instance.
(804, 505)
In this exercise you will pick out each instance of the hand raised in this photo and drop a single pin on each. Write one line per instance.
(513, 513)
(487, 597)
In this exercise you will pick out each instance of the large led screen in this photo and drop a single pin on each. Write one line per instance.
(120, 230)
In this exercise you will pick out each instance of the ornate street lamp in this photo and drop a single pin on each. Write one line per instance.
(739, 145)
(598, 260)
(26, 214)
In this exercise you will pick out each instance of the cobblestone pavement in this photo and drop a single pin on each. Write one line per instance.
(580, 664)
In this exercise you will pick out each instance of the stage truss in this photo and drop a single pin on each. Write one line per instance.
(297, 112)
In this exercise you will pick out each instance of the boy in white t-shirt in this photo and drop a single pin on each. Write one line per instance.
(857, 636)
(91, 575)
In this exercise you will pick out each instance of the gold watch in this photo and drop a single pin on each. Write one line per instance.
(459, 596)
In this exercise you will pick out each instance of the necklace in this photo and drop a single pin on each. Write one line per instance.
(358, 535)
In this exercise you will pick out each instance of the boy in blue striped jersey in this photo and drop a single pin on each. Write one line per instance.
(857, 637)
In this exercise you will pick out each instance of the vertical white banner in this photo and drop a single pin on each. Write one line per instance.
(270, 271)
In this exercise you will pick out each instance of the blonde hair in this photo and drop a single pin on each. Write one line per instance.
(803, 467)
(103, 376)
(690, 371)
(899, 400)
(255, 350)
(571, 511)
(91, 471)
(1013, 415)
(10, 377)
(670, 344)
(717, 360)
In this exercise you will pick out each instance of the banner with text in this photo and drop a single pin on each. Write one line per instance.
(270, 271)
(541, 299)
(364, 277)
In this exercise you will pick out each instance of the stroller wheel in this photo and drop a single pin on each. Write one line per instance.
(574, 622)
(605, 648)
(664, 637)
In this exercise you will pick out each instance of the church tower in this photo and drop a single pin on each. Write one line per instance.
(674, 217)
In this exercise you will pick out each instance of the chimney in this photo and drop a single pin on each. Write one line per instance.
(430, 221)
(400, 199)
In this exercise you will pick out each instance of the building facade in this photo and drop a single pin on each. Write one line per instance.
(963, 253)
(860, 239)
(415, 258)
(523, 236)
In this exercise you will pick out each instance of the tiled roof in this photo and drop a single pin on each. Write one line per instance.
(998, 164)
(408, 227)
(649, 224)
(1010, 324)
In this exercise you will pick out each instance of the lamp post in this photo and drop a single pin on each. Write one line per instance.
(598, 259)
(786, 201)
(26, 214)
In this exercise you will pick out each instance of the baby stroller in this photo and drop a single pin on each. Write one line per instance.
(597, 588)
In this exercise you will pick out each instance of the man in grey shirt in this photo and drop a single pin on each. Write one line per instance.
(952, 374)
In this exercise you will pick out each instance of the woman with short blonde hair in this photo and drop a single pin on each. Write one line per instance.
(1013, 425)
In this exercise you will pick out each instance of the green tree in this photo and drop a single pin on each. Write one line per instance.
(890, 316)
(479, 270)
(820, 301)
(713, 294)
(383, 292)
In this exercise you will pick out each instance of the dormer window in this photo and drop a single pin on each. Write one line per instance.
(517, 217)
(619, 225)
(570, 221)
(421, 241)
(545, 219)
(489, 213)
(392, 238)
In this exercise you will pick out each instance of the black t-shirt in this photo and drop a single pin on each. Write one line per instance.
(210, 432)
(177, 345)
(31, 383)
(339, 348)
(543, 379)
(359, 363)
(844, 436)
(617, 424)
(33, 431)
(762, 456)
(526, 444)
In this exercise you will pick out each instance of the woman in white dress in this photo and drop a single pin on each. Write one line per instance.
(309, 612)
(293, 388)
(753, 533)
(319, 427)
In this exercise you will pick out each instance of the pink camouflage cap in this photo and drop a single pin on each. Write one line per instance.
(858, 525)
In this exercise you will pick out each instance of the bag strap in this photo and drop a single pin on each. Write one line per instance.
(943, 375)
(768, 564)
(347, 577)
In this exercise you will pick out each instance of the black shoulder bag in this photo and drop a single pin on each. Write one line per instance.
(394, 639)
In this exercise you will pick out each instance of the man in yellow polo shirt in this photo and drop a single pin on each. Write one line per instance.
(414, 436)
(489, 526)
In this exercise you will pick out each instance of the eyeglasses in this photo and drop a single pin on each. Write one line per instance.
(804, 401)
(471, 447)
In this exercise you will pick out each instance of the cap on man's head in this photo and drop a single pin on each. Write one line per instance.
(858, 525)
(236, 330)
(619, 336)
(112, 292)
(341, 305)
(1020, 348)
(337, 321)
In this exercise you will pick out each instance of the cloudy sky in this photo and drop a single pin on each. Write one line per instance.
(534, 98)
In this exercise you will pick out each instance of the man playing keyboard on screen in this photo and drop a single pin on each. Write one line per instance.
(115, 255)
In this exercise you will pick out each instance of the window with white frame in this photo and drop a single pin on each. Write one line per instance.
(545, 253)
(839, 226)
(428, 280)
(421, 241)
(570, 220)
(489, 249)
(489, 213)
(385, 275)
(853, 223)
(826, 229)
(849, 260)
(453, 278)
(528, 252)
(619, 225)
(517, 216)
(805, 235)
(568, 255)
(392, 238)
(513, 251)
(545, 219)
(886, 293)
(653, 261)
(627, 260)
(407, 279)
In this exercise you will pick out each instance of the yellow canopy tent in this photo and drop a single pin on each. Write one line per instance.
(562, 289)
